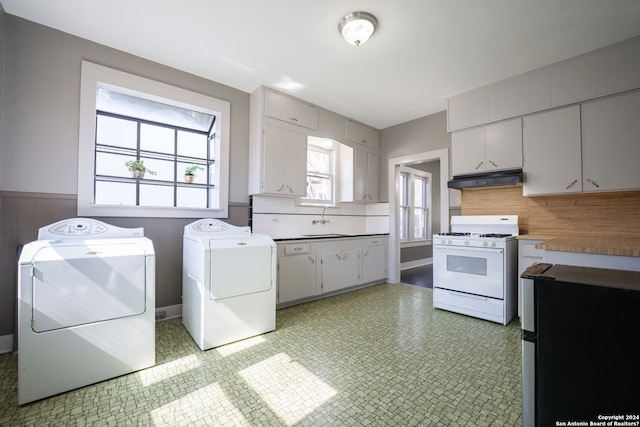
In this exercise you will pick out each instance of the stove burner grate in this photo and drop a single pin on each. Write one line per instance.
(455, 234)
(495, 235)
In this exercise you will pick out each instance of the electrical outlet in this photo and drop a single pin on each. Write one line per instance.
(161, 314)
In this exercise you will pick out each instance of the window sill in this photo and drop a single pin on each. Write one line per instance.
(415, 243)
(150, 212)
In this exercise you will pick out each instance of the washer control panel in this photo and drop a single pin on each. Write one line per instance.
(86, 228)
(215, 226)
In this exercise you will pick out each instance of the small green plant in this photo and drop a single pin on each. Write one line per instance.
(138, 165)
(191, 170)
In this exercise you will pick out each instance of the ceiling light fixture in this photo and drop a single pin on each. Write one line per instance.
(357, 27)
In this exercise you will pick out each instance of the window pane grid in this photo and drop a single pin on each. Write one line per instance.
(166, 163)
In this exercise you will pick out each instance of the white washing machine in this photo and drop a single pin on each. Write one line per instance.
(228, 283)
(86, 306)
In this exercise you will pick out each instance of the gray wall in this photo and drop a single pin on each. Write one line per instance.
(417, 136)
(39, 133)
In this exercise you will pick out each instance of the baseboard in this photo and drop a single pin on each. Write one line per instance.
(168, 312)
(416, 263)
(6, 343)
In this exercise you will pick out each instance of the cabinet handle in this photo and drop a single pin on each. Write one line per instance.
(491, 161)
(572, 184)
(293, 119)
(290, 190)
(364, 141)
(593, 182)
(281, 188)
(312, 260)
(338, 256)
(479, 164)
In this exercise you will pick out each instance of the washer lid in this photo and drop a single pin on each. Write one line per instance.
(74, 285)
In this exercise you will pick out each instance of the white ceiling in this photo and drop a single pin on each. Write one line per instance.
(423, 51)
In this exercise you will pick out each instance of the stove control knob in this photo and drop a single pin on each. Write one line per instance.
(449, 242)
(493, 244)
(466, 243)
(485, 244)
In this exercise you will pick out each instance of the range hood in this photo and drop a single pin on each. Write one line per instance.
(487, 179)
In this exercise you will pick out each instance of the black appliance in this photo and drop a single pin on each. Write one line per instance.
(487, 179)
(580, 330)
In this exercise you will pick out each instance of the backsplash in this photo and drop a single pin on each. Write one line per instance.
(281, 218)
(582, 214)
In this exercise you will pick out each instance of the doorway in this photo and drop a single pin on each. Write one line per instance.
(395, 163)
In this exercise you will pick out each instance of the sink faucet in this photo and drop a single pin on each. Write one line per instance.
(321, 221)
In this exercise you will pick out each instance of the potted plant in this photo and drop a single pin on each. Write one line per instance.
(138, 168)
(190, 172)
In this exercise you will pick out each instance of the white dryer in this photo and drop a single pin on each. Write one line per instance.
(228, 283)
(86, 306)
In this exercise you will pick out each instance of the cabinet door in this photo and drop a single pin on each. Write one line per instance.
(289, 110)
(360, 175)
(284, 162)
(468, 151)
(372, 192)
(503, 145)
(350, 267)
(331, 271)
(296, 277)
(374, 265)
(362, 134)
(611, 143)
(551, 147)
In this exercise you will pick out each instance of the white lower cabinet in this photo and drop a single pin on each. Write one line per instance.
(372, 267)
(311, 268)
(340, 269)
(296, 276)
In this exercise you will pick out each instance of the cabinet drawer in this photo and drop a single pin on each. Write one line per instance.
(287, 109)
(531, 251)
(302, 248)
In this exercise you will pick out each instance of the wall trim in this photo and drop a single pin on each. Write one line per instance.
(6, 343)
(26, 194)
(171, 311)
(416, 263)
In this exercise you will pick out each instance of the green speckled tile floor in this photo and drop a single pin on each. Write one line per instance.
(379, 356)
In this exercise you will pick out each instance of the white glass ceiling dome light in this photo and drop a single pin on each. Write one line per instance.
(357, 27)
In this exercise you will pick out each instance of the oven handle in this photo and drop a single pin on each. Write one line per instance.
(468, 249)
(461, 294)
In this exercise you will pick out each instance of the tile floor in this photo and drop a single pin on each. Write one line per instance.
(380, 356)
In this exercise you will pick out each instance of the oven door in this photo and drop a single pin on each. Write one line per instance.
(478, 271)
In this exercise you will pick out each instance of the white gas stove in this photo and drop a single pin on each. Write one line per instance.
(475, 267)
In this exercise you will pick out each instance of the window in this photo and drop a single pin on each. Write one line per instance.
(321, 172)
(415, 201)
(125, 117)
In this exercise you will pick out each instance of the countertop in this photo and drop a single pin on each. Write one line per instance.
(619, 246)
(327, 236)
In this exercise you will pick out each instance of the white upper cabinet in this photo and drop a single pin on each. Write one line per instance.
(606, 71)
(494, 147)
(358, 175)
(468, 151)
(611, 143)
(503, 142)
(290, 110)
(362, 134)
(552, 154)
(284, 169)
